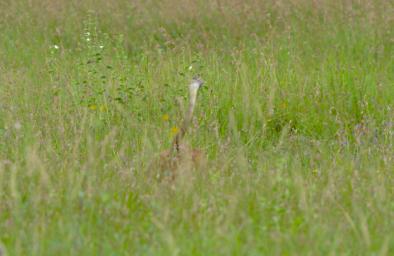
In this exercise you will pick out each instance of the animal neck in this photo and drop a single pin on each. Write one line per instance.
(187, 119)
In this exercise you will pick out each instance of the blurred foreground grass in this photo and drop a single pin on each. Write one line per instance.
(296, 120)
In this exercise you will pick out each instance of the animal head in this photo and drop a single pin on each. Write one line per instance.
(196, 84)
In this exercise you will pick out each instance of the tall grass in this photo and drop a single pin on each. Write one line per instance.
(296, 120)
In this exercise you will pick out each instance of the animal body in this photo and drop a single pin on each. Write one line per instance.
(180, 155)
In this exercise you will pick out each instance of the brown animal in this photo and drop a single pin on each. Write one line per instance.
(181, 155)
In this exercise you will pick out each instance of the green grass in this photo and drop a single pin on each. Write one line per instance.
(296, 120)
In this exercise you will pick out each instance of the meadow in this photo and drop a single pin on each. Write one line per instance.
(296, 119)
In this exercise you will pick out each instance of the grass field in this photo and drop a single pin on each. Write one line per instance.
(296, 121)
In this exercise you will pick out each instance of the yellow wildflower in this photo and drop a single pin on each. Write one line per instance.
(93, 107)
(165, 117)
(174, 130)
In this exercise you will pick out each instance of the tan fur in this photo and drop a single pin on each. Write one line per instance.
(170, 165)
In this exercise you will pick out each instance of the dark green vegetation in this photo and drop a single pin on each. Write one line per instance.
(297, 122)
